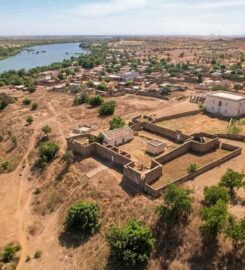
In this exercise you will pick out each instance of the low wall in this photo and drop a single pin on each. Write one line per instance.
(178, 115)
(132, 174)
(174, 135)
(154, 173)
(205, 147)
(235, 137)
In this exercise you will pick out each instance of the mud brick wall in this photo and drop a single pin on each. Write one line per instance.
(205, 147)
(155, 173)
(178, 115)
(132, 174)
(79, 149)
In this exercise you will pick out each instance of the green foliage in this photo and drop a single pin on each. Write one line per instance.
(116, 122)
(46, 129)
(131, 245)
(8, 253)
(107, 108)
(214, 219)
(220, 88)
(37, 254)
(177, 206)
(96, 101)
(68, 156)
(13, 140)
(236, 232)
(81, 99)
(6, 166)
(231, 180)
(192, 168)
(29, 119)
(34, 106)
(213, 194)
(102, 87)
(47, 151)
(83, 218)
(90, 83)
(26, 101)
(5, 100)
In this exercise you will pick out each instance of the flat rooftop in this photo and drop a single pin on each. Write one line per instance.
(155, 142)
(116, 133)
(229, 96)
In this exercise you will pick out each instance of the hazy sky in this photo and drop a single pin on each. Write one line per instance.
(107, 17)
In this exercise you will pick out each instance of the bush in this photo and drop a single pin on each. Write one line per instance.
(102, 87)
(26, 101)
(177, 206)
(83, 217)
(47, 151)
(90, 83)
(46, 129)
(116, 122)
(37, 254)
(29, 120)
(192, 168)
(132, 245)
(34, 106)
(213, 194)
(96, 101)
(107, 108)
(81, 99)
(8, 253)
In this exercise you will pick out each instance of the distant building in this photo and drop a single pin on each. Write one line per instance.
(118, 136)
(225, 104)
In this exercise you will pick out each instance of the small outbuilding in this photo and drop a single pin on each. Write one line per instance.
(155, 147)
(118, 136)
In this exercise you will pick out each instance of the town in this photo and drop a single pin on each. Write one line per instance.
(143, 130)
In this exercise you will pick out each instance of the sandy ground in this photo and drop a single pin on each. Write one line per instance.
(24, 216)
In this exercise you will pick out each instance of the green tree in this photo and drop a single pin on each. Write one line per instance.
(107, 108)
(83, 217)
(13, 140)
(192, 168)
(47, 151)
(81, 99)
(68, 156)
(90, 83)
(214, 220)
(199, 78)
(116, 122)
(8, 253)
(231, 180)
(132, 245)
(102, 87)
(214, 193)
(177, 206)
(96, 101)
(236, 232)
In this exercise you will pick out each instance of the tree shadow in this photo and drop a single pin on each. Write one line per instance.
(169, 240)
(205, 257)
(114, 264)
(72, 240)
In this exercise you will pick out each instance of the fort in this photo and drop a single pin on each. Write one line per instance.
(171, 163)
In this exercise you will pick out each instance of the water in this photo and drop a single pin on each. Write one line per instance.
(30, 58)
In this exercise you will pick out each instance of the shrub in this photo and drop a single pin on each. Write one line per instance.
(214, 218)
(8, 253)
(83, 217)
(37, 254)
(29, 120)
(47, 151)
(107, 108)
(96, 101)
(34, 106)
(81, 99)
(116, 122)
(46, 129)
(192, 168)
(213, 194)
(90, 83)
(102, 87)
(131, 245)
(26, 101)
(1, 138)
(177, 206)
(68, 156)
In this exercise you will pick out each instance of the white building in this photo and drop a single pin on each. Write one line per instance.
(225, 104)
(118, 136)
(155, 147)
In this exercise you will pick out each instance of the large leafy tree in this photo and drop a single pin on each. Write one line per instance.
(47, 151)
(83, 217)
(231, 180)
(214, 220)
(131, 245)
(177, 206)
(214, 193)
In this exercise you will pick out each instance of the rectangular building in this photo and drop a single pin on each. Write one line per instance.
(226, 104)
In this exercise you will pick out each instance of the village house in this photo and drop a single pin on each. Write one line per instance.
(225, 104)
(155, 147)
(118, 136)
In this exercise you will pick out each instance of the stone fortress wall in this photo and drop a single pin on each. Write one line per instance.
(144, 178)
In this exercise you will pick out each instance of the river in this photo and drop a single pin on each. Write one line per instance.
(42, 55)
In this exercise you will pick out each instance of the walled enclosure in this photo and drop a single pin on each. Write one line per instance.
(145, 178)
